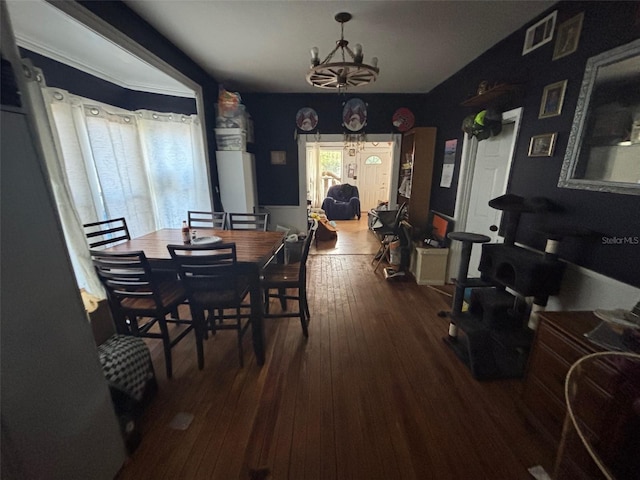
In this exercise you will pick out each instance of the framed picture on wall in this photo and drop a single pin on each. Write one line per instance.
(278, 157)
(542, 145)
(539, 33)
(568, 37)
(552, 99)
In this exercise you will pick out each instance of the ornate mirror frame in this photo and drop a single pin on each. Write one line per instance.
(579, 140)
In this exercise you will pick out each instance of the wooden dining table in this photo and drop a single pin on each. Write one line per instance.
(254, 250)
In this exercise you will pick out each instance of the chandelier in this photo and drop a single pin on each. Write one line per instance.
(342, 74)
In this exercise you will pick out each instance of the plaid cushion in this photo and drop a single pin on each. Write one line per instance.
(126, 364)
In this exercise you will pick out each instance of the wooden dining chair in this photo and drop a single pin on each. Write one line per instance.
(214, 284)
(248, 221)
(106, 233)
(287, 277)
(140, 300)
(217, 220)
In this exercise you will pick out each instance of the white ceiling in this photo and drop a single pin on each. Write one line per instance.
(263, 45)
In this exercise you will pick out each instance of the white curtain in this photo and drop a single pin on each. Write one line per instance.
(147, 167)
(170, 144)
(314, 182)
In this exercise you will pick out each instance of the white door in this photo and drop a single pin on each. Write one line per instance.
(373, 176)
(489, 181)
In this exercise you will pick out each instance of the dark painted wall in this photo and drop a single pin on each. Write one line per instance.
(275, 126)
(606, 25)
(62, 76)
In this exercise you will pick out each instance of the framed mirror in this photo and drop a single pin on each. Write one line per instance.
(603, 152)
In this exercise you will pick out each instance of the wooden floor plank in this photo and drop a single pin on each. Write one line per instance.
(373, 393)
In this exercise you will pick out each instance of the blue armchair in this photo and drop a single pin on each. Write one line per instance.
(342, 202)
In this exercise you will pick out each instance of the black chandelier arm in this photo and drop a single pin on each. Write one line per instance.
(353, 55)
(330, 56)
(333, 52)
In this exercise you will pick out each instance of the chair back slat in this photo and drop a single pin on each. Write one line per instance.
(205, 269)
(125, 276)
(217, 220)
(248, 221)
(106, 233)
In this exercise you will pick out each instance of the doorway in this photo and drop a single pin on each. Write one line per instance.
(368, 167)
(484, 174)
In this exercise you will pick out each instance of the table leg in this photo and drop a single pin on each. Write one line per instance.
(257, 327)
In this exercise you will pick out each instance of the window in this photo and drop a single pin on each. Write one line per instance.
(331, 162)
(147, 167)
(330, 168)
(373, 160)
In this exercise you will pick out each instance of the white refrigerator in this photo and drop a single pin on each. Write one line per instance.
(237, 176)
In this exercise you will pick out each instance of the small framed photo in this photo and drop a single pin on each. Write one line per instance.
(542, 145)
(552, 99)
(539, 33)
(568, 36)
(278, 157)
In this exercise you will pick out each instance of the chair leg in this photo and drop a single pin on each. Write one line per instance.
(303, 320)
(240, 349)
(384, 254)
(283, 301)
(210, 322)
(166, 345)
(304, 302)
(266, 300)
(200, 328)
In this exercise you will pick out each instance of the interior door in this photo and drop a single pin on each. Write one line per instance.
(489, 181)
(373, 175)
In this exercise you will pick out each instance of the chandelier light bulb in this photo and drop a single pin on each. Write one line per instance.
(315, 59)
(374, 62)
(357, 52)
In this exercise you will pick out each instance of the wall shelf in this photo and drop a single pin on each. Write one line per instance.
(491, 95)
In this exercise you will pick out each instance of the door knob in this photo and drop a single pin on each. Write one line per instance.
(493, 228)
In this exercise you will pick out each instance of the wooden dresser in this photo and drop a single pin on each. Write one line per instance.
(560, 342)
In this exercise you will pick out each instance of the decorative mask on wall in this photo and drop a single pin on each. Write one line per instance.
(403, 119)
(306, 119)
(354, 115)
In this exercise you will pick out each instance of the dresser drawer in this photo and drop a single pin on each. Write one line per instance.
(550, 370)
(568, 351)
(545, 408)
(563, 347)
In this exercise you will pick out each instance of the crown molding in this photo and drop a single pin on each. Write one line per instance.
(54, 54)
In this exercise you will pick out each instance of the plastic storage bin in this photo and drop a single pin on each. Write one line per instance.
(235, 117)
(231, 139)
(293, 249)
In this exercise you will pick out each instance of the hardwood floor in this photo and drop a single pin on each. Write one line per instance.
(373, 393)
(354, 238)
